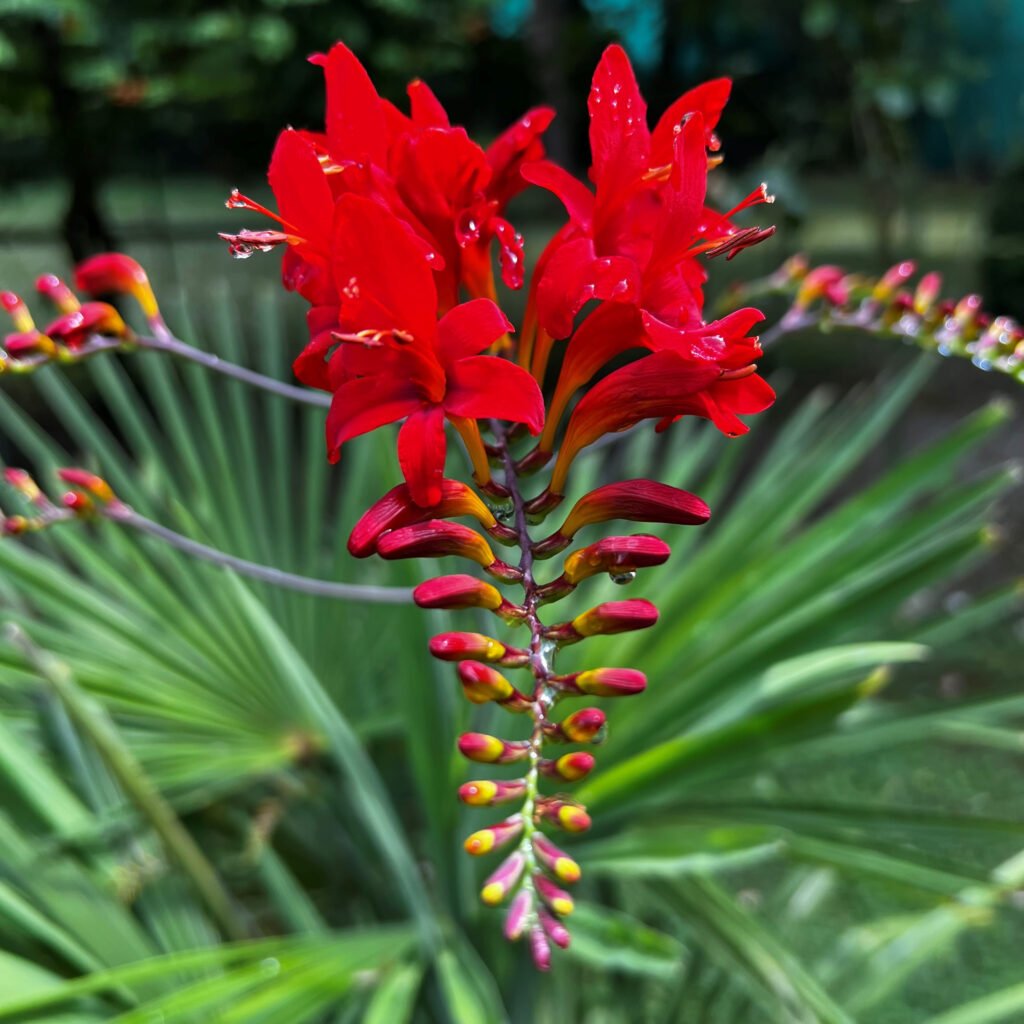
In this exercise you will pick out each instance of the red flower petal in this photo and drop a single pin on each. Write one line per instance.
(708, 100)
(619, 138)
(650, 388)
(517, 145)
(486, 386)
(577, 199)
(574, 275)
(685, 194)
(356, 125)
(365, 404)
(421, 454)
(425, 107)
(380, 272)
(303, 195)
(469, 328)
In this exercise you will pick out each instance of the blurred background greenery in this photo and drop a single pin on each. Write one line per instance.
(819, 849)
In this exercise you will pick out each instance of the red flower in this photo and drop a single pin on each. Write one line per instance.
(410, 365)
(634, 239)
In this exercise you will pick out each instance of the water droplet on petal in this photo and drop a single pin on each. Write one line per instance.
(622, 578)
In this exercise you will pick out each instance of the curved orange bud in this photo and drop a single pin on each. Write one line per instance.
(114, 272)
(615, 555)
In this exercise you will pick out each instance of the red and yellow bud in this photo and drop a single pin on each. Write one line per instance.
(554, 929)
(18, 312)
(457, 646)
(504, 880)
(638, 501)
(518, 915)
(115, 273)
(26, 486)
(892, 280)
(927, 292)
(552, 859)
(486, 749)
(457, 591)
(615, 555)
(488, 792)
(494, 837)
(584, 726)
(53, 288)
(569, 767)
(28, 343)
(95, 486)
(612, 617)
(606, 682)
(73, 329)
(78, 503)
(397, 509)
(435, 538)
(481, 683)
(563, 813)
(824, 282)
(556, 898)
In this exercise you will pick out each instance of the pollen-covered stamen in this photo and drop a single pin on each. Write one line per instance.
(733, 244)
(371, 338)
(756, 198)
(739, 373)
(51, 287)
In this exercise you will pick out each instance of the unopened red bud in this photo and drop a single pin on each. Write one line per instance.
(481, 683)
(488, 793)
(927, 292)
(569, 767)
(457, 646)
(504, 880)
(23, 483)
(14, 526)
(554, 929)
(494, 837)
(518, 915)
(457, 591)
(966, 311)
(397, 509)
(75, 501)
(563, 813)
(607, 682)
(892, 280)
(54, 289)
(560, 864)
(539, 949)
(29, 343)
(434, 539)
(115, 273)
(584, 726)
(616, 555)
(74, 328)
(554, 896)
(638, 501)
(18, 312)
(615, 617)
(821, 282)
(92, 484)
(485, 749)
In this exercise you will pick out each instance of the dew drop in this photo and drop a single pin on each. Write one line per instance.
(622, 578)
(241, 250)
(270, 967)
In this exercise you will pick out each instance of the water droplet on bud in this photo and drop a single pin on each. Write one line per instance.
(622, 578)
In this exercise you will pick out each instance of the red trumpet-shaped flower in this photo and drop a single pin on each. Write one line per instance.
(404, 363)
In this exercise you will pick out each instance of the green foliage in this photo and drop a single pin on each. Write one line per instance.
(171, 731)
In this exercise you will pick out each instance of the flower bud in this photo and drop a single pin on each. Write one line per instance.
(396, 509)
(554, 929)
(965, 313)
(485, 749)
(29, 343)
(615, 555)
(18, 312)
(494, 837)
(569, 767)
(504, 880)
(487, 792)
(23, 483)
(821, 282)
(14, 526)
(638, 501)
(518, 914)
(481, 683)
(584, 726)
(556, 898)
(560, 864)
(78, 503)
(92, 484)
(435, 538)
(73, 329)
(606, 682)
(613, 617)
(54, 289)
(457, 591)
(927, 292)
(892, 280)
(113, 272)
(539, 949)
(563, 813)
(456, 646)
